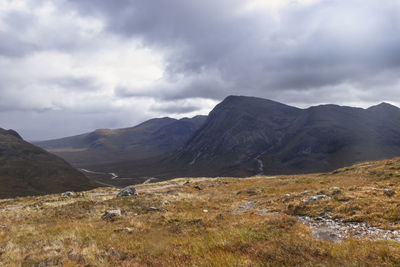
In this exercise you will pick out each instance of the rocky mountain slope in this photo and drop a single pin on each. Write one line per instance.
(250, 136)
(247, 135)
(29, 170)
(349, 217)
(148, 139)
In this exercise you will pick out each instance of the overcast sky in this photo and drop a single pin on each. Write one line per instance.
(68, 67)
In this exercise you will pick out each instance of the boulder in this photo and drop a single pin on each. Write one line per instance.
(315, 198)
(128, 191)
(111, 214)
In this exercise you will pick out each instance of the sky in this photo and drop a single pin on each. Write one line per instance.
(69, 67)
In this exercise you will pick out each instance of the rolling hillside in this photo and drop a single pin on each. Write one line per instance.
(148, 139)
(349, 217)
(29, 170)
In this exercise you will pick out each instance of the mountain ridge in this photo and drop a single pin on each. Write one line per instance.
(147, 139)
(245, 136)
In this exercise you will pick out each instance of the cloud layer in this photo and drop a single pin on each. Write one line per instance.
(72, 66)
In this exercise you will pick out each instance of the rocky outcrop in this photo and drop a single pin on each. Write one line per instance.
(128, 191)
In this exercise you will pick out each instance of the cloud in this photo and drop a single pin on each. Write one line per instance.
(301, 45)
(115, 63)
(189, 106)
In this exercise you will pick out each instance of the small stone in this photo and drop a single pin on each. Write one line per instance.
(315, 198)
(389, 192)
(124, 229)
(335, 190)
(205, 211)
(152, 209)
(128, 191)
(197, 187)
(68, 194)
(111, 214)
(326, 235)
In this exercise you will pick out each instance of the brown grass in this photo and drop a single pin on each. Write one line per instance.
(250, 222)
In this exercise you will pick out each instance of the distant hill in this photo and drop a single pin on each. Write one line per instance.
(29, 170)
(248, 136)
(148, 139)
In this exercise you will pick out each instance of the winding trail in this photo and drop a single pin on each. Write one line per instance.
(149, 180)
(112, 175)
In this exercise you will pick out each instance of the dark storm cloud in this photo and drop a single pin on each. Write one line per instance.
(12, 45)
(78, 84)
(303, 47)
(177, 109)
(28, 30)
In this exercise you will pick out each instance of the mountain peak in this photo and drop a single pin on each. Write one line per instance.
(10, 132)
(240, 98)
(250, 102)
(384, 106)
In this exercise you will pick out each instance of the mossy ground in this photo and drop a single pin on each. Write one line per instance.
(249, 222)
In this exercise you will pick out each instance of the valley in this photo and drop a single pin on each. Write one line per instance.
(139, 133)
(242, 136)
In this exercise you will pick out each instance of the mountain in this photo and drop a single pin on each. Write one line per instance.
(29, 170)
(253, 135)
(148, 139)
(249, 136)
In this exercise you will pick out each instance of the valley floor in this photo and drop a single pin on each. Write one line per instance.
(349, 217)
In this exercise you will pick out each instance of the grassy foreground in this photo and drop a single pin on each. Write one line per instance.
(208, 222)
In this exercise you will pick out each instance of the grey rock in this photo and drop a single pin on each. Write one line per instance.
(68, 194)
(124, 229)
(326, 235)
(304, 193)
(111, 214)
(315, 198)
(128, 191)
(389, 192)
(337, 229)
(335, 190)
(287, 196)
